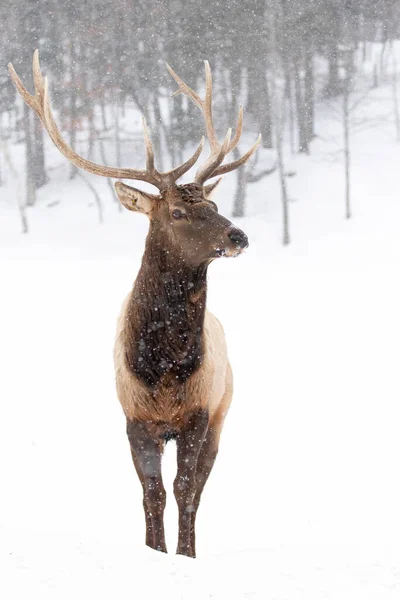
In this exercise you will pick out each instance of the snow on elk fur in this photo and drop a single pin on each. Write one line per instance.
(173, 376)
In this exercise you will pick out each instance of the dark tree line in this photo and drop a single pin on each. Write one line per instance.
(102, 55)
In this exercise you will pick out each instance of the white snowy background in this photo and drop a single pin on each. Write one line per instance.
(303, 503)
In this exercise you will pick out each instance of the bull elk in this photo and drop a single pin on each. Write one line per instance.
(173, 377)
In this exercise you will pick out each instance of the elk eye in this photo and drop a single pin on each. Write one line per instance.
(177, 214)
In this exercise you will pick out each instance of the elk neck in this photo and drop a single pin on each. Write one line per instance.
(166, 315)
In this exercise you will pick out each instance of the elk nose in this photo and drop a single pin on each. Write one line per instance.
(238, 237)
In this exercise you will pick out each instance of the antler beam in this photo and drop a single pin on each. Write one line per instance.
(40, 103)
(213, 165)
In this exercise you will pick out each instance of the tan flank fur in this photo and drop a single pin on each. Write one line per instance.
(173, 377)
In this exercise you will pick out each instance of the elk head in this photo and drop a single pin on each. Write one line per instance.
(182, 215)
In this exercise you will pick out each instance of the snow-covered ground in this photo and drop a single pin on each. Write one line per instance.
(303, 503)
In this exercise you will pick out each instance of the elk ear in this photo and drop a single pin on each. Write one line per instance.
(134, 199)
(208, 190)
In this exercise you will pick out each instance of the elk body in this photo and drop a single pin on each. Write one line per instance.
(173, 376)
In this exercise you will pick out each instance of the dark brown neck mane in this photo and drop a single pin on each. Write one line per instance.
(166, 316)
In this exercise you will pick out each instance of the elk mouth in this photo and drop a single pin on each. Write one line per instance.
(234, 253)
(231, 253)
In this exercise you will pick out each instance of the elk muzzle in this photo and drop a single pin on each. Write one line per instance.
(238, 237)
(236, 242)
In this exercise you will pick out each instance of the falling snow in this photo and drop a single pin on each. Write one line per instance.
(303, 500)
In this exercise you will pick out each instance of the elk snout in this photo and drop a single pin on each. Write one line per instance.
(238, 237)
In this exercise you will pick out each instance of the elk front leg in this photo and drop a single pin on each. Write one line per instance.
(189, 442)
(205, 463)
(147, 452)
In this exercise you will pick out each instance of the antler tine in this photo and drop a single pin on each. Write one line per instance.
(184, 88)
(208, 108)
(38, 79)
(238, 133)
(222, 169)
(208, 100)
(27, 97)
(227, 141)
(205, 170)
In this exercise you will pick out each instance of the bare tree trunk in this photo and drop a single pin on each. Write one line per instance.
(40, 177)
(239, 201)
(346, 132)
(14, 172)
(364, 51)
(73, 107)
(117, 52)
(282, 181)
(117, 137)
(301, 110)
(92, 128)
(395, 94)
(309, 95)
(362, 37)
(168, 136)
(234, 82)
(266, 123)
(375, 76)
(158, 136)
(178, 117)
(30, 183)
(264, 110)
(117, 140)
(278, 103)
(382, 58)
(333, 87)
(290, 100)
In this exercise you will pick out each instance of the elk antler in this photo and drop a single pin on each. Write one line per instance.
(40, 103)
(212, 167)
